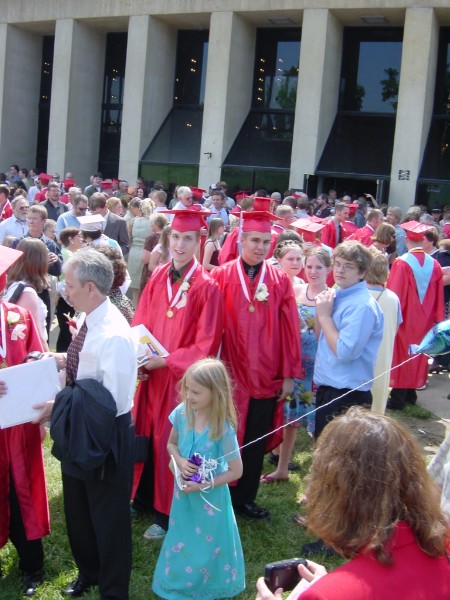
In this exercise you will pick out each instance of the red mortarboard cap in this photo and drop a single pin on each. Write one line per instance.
(315, 219)
(353, 207)
(68, 183)
(199, 207)
(259, 220)
(415, 231)
(116, 181)
(307, 228)
(8, 257)
(241, 195)
(237, 210)
(261, 203)
(106, 185)
(197, 192)
(44, 178)
(187, 220)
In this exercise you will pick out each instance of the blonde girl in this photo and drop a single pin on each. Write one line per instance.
(202, 554)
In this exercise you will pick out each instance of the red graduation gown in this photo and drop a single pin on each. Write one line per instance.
(363, 235)
(21, 448)
(349, 229)
(329, 237)
(194, 332)
(259, 348)
(418, 318)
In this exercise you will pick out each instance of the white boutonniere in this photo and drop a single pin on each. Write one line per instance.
(185, 286)
(262, 293)
(12, 317)
(18, 332)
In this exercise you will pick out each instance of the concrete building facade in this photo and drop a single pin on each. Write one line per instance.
(396, 148)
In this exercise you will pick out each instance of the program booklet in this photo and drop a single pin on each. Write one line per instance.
(147, 343)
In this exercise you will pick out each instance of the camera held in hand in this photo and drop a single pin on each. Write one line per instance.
(283, 574)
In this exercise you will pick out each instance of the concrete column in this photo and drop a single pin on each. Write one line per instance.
(148, 93)
(20, 79)
(75, 111)
(317, 92)
(415, 102)
(228, 92)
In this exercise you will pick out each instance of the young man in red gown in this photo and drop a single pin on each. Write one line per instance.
(261, 348)
(183, 308)
(24, 515)
(416, 278)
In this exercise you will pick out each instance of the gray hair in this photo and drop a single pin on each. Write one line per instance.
(79, 198)
(90, 265)
(183, 190)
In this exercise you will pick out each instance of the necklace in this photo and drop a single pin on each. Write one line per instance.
(312, 299)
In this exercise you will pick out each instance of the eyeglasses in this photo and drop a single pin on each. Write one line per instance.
(82, 209)
(34, 219)
(24, 207)
(345, 268)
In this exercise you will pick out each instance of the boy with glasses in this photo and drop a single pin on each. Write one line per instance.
(351, 328)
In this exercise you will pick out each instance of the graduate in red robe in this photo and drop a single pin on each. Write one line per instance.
(24, 514)
(334, 233)
(261, 348)
(364, 235)
(416, 278)
(183, 308)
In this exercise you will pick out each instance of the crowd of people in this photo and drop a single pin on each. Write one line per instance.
(262, 311)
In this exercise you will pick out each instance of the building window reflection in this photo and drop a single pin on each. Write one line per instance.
(370, 69)
(113, 86)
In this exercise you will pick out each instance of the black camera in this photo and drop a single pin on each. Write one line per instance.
(283, 574)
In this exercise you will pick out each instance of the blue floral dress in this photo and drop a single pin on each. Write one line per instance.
(201, 556)
(304, 397)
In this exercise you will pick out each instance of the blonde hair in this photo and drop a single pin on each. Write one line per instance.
(212, 374)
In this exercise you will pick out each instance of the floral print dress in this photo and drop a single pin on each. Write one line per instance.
(201, 556)
(304, 397)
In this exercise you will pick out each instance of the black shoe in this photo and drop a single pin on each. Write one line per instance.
(274, 458)
(78, 587)
(317, 548)
(252, 511)
(392, 406)
(31, 582)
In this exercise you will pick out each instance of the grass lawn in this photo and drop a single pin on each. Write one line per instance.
(263, 542)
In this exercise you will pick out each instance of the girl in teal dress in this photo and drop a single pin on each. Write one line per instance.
(201, 556)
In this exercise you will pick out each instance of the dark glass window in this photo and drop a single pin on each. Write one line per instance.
(179, 138)
(113, 86)
(370, 69)
(48, 44)
(276, 68)
(265, 139)
(190, 77)
(442, 95)
(433, 188)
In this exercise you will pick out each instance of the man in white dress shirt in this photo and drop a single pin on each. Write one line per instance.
(97, 507)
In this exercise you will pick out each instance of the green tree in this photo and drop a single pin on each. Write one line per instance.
(390, 87)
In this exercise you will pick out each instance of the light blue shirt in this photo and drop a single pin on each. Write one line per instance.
(400, 240)
(67, 219)
(359, 321)
(218, 214)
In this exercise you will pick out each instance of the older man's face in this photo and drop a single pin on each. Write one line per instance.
(187, 199)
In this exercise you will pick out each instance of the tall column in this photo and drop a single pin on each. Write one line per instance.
(20, 79)
(415, 102)
(318, 90)
(148, 93)
(228, 92)
(75, 111)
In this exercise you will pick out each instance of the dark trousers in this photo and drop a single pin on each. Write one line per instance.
(31, 553)
(400, 396)
(99, 524)
(45, 297)
(64, 336)
(259, 422)
(327, 393)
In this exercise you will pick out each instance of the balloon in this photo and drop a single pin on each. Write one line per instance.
(435, 342)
